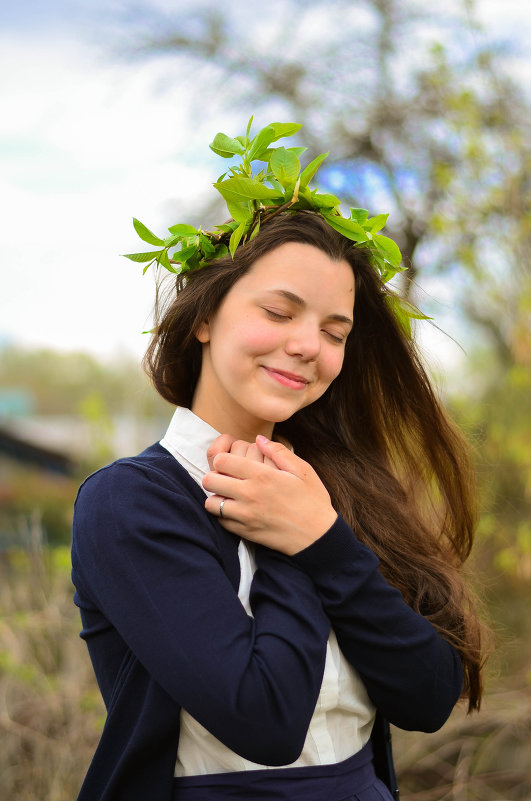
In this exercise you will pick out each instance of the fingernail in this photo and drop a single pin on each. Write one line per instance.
(262, 440)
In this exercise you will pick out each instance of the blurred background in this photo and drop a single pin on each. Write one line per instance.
(106, 111)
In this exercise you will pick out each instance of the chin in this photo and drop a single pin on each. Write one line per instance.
(278, 414)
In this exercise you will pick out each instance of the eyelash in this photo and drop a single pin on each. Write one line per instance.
(276, 316)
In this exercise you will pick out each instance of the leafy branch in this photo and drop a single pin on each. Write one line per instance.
(278, 184)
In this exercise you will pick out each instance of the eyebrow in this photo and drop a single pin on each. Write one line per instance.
(340, 318)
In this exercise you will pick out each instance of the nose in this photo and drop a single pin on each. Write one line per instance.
(304, 341)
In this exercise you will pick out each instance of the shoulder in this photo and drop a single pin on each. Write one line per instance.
(137, 494)
(154, 466)
(139, 505)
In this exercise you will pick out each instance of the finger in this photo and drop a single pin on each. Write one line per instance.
(283, 458)
(255, 454)
(240, 447)
(219, 506)
(225, 510)
(221, 444)
(236, 466)
(220, 484)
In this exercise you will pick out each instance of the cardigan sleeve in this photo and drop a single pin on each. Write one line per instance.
(144, 554)
(411, 673)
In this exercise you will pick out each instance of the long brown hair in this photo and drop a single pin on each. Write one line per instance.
(396, 467)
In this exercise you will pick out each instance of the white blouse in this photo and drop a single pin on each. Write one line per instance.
(344, 715)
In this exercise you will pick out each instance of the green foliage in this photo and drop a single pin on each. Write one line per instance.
(254, 198)
(498, 425)
(58, 383)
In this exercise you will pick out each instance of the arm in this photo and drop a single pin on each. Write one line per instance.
(411, 673)
(145, 554)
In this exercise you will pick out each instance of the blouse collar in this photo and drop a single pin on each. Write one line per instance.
(188, 437)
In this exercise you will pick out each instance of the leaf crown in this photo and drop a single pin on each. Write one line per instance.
(255, 198)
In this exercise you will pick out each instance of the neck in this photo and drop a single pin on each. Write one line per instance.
(246, 428)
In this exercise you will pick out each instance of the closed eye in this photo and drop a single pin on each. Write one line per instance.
(276, 315)
(335, 338)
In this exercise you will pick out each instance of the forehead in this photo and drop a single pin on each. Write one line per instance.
(305, 271)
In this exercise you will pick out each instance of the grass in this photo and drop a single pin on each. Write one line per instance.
(478, 757)
(51, 712)
(50, 709)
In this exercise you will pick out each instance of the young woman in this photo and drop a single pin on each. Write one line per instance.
(276, 580)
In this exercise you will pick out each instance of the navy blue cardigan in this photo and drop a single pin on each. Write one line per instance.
(156, 582)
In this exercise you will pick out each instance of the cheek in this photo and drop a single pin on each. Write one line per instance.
(332, 365)
(256, 338)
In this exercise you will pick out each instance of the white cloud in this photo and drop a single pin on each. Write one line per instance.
(83, 148)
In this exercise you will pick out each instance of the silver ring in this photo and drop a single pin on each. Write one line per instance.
(222, 504)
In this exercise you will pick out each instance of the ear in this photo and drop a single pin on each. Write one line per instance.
(202, 334)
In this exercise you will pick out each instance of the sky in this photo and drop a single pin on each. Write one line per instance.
(89, 139)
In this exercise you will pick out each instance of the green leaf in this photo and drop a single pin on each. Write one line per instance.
(412, 311)
(248, 131)
(184, 254)
(349, 228)
(145, 234)
(359, 215)
(404, 312)
(255, 230)
(376, 224)
(206, 245)
(285, 166)
(183, 230)
(236, 238)
(221, 251)
(261, 141)
(276, 185)
(171, 241)
(227, 228)
(399, 313)
(311, 168)
(238, 189)
(282, 129)
(325, 201)
(164, 261)
(140, 257)
(240, 212)
(387, 272)
(265, 155)
(226, 147)
(191, 263)
(390, 248)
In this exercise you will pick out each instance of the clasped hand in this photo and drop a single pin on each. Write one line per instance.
(273, 497)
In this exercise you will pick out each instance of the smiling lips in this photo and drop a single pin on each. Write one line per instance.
(291, 380)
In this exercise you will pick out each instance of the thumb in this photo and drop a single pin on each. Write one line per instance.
(282, 457)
